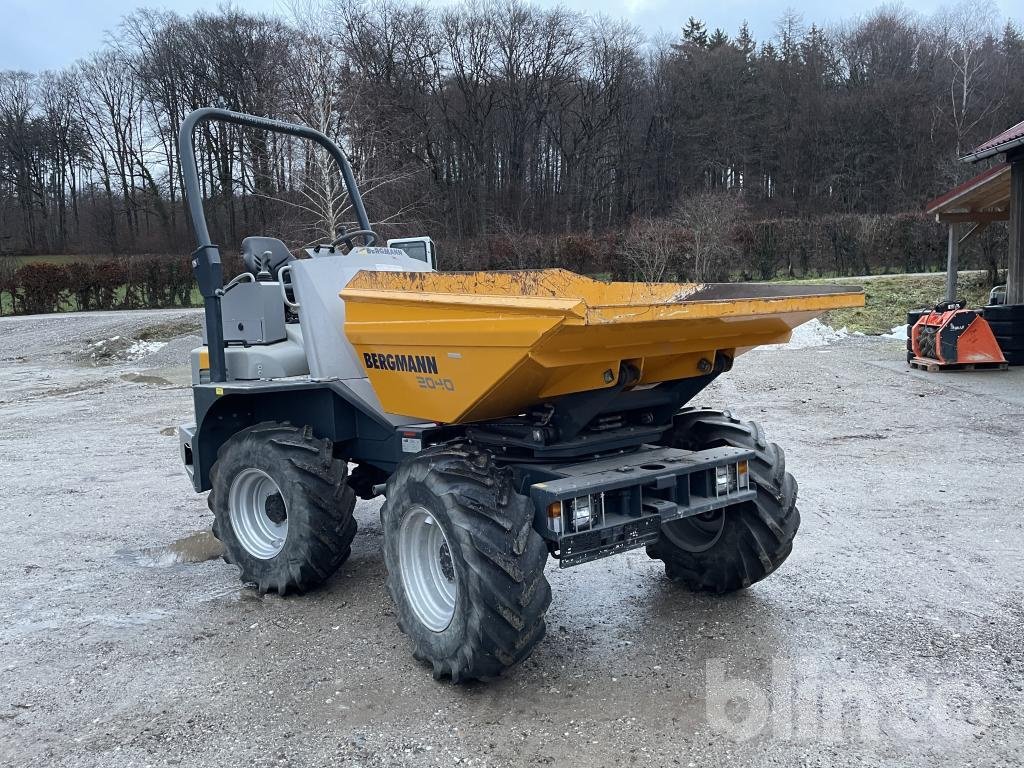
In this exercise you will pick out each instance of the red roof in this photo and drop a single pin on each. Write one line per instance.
(1008, 139)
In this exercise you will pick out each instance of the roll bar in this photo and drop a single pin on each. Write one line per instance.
(206, 263)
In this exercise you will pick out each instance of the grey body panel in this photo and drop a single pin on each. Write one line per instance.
(316, 283)
(186, 434)
(253, 314)
(282, 360)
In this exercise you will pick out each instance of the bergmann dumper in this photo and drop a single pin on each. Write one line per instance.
(505, 417)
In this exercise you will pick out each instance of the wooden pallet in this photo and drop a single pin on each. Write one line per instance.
(927, 364)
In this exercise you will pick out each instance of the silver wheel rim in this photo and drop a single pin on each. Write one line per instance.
(428, 570)
(259, 515)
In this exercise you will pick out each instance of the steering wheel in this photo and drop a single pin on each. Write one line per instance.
(368, 235)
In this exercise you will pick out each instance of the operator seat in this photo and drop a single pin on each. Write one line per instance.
(253, 249)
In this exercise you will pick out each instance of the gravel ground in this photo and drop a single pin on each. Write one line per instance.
(890, 637)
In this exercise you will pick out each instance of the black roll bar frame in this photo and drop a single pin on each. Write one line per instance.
(206, 262)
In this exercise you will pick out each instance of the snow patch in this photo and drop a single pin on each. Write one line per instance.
(140, 349)
(118, 349)
(898, 332)
(813, 333)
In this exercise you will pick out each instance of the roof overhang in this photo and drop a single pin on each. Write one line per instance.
(982, 199)
(1007, 141)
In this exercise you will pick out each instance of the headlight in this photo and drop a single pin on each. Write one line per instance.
(581, 512)
(732, 477)
(722, 480)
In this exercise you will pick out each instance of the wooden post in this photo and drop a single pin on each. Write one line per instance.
(952, 263)
(1015, 257)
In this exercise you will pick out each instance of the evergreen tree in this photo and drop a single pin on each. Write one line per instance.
(695, 33)
(745, 41)
(718, 39)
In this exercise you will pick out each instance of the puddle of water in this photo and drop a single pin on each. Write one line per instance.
(197, 547)
(144, 378)
(106, 620)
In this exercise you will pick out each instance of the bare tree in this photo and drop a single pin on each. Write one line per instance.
(709, 219)
(652, 246)
(479, 118)
(967, 32)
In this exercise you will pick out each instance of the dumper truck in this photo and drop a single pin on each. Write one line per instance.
(505, 418)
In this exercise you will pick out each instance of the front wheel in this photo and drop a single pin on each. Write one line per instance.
(464, 566)
(282, 507)
(731, 548)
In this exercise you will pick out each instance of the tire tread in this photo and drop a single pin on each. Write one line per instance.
(759, 534)
(507, 590)
(318, 543)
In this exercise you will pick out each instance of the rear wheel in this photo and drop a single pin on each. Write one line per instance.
(464, 566)
(731, 548)
(282, 507)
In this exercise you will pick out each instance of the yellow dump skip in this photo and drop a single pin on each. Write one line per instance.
(469, 346)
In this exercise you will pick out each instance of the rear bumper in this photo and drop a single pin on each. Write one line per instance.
(606, 506)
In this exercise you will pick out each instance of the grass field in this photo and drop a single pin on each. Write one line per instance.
(888, 298)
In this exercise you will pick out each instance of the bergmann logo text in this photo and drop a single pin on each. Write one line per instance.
(410, 363)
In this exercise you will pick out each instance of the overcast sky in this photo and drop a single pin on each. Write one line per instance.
(49, 34)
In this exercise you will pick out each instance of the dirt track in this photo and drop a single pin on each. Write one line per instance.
(891, 636)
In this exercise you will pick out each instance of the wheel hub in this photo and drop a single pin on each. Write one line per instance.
(447, 566)
(429, 577)
(274, 507)
(258, 513)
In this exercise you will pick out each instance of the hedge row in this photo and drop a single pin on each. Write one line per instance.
(754, 250)
(134, 282)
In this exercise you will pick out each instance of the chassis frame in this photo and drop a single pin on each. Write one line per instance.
(583, 446)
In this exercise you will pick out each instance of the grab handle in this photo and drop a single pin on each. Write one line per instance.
(286, 285)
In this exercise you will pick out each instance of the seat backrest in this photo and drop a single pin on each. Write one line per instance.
(316, 283)
(253, 249)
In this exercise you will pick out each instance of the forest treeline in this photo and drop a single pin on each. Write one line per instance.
(519, 135)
